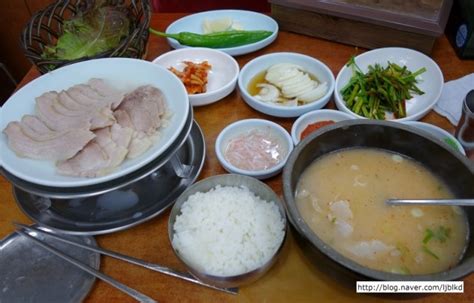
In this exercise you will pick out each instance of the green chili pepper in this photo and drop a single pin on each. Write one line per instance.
(218, 39)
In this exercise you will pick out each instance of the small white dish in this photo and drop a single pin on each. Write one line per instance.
(222, 77)
(431, 81)
(439, 133)
(316, 116)
(123, 73)
(245, 126)
(248, 20)
(262, 63)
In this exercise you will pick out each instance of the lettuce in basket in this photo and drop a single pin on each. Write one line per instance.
(91, 32)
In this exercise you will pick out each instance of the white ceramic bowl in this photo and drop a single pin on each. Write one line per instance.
(262, 63)
(243, 126)
(222, 77)
(123, 73)
(431, 81)
(316, 116)
(248, 20)
(439, 133)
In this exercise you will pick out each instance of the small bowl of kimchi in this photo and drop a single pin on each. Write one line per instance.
(254, 147)
(208, 75)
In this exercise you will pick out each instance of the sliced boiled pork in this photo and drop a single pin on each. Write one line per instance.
(59, 117)
(145, 106)
(101, 86)
(100, 156)
(34, 142)
(89, 129)
(142, 110)
(35, 125)
(80, 106)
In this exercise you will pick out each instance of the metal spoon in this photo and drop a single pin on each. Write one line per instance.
(456, 202)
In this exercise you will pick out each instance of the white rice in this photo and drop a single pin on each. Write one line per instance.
(227, 231)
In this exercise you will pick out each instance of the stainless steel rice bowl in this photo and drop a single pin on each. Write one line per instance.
(262, 191)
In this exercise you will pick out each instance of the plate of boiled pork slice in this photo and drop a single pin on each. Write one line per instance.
(91, 122)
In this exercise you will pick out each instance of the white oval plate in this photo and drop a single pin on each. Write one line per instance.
(222, 77)
(248, 20)
(431, 81)
(122, 73)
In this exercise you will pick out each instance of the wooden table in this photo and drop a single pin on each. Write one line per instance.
(293, 278)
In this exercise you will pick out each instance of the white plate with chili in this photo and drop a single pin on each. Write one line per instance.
(244, 20)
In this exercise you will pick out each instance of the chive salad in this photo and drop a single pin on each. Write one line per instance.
(380, 90)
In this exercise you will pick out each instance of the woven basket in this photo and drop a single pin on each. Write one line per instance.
(46, 26)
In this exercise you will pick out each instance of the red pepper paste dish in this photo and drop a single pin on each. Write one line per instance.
(313, 127)
(314, 120)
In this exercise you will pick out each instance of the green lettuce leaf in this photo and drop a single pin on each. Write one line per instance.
(95, 31)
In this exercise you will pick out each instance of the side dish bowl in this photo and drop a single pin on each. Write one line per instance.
(430, 82)
(222, 76)
(260, 64)
(313, 117)
(255, 186)
(242, 127)
(439, 133)
(455, 170)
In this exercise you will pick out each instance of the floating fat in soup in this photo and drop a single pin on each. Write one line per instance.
(341, 196)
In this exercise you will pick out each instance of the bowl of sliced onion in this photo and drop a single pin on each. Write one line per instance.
(253, 147)
(286, 84)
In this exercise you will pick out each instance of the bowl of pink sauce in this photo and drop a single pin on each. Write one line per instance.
(253, 147)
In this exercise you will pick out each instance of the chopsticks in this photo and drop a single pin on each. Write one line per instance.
(132, 260)
(128, 290)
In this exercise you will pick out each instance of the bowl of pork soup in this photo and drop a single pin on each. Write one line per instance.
(335, 185)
